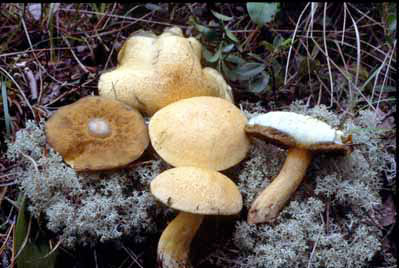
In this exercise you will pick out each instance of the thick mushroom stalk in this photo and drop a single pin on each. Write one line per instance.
(271, 200)
(196, 192)
(174, 244)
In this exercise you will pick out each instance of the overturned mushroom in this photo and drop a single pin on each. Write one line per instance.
(202, 131)
(195, 192)
(303, 136)
(97, 133)
(154, 71)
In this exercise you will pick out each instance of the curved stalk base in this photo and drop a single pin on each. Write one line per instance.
(272, 199)
(174, 244)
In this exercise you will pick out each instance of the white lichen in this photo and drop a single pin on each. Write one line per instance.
(83, 208)
(327, 222)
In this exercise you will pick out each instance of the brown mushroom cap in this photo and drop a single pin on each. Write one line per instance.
(198, 191)
(289, 129)
(97, 133)
(203, 132)
(154, 71)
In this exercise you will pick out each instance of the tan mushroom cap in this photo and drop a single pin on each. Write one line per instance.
(203, 132)
(132, 52)
(289, 129)
(97, 133)
(154, 71)
(198, 191)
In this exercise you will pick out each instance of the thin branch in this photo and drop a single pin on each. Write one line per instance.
(74, 55)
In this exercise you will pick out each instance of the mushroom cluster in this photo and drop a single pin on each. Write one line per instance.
(195, 127)
(199, 136)
(154, 71)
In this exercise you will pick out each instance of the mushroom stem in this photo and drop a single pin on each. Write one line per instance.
(174, 244)
(271, 200)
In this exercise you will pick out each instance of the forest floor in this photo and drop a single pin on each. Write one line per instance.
(51, 55)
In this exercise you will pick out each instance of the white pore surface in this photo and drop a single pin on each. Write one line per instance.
(304, 129)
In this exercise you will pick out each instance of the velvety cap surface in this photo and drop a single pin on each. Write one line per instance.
(97, 133)
(197, 190)
(203, 132)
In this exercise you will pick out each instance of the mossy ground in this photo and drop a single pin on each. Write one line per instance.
(342, 216)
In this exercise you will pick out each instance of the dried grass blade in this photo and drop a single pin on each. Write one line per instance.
(292, 42)
(19, 88)
(53, 249)
(327, 57)
(358, 50)
(386, 74)
(7, 118)
(25, 241)
(3, 247)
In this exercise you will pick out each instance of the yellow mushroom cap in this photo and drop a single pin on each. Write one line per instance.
(132, 50)
(154, 71)
(97, 133)
(198, 191)
(202, 131)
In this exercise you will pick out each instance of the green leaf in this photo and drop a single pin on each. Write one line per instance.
(258, 84)
(34, 252)
(228, 48)
(276, 66)
(221, 16)
(286, 43)
(255, 56)
(206, 32)
(235, 59)
(278, 39)
(230, 74)
(230, 35)
(209, 57)
(268, 46)
(392, 22)
(249, 70)
(262, 13)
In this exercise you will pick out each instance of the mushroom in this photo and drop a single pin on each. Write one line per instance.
(97, 133)
(154, 71)
(202, 131)
(303, 136)
(195, 192)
